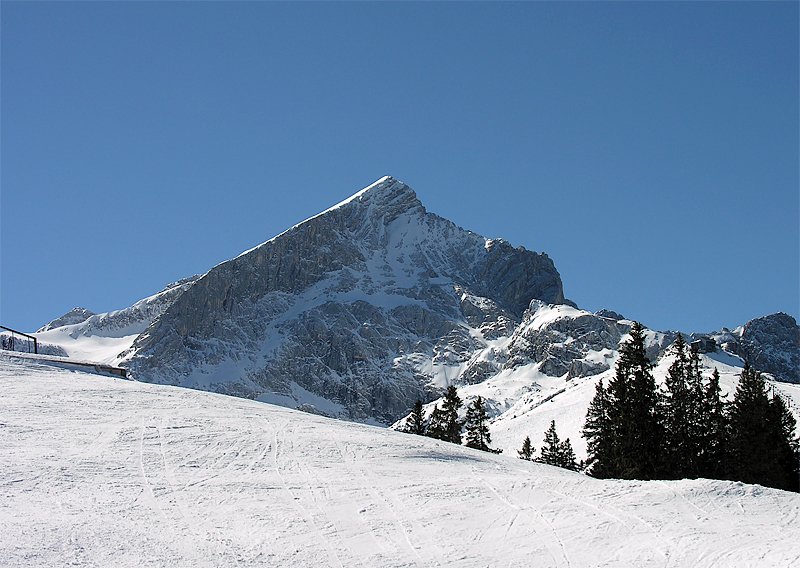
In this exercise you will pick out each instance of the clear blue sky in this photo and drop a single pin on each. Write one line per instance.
(651, 149)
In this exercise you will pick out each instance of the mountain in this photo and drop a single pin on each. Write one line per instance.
(362, 309)
(99, 471)
(770, 344)
(357, 311)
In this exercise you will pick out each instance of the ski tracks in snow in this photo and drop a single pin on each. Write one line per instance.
(554, 543)
(160, 492)
(410, 533)
(313, 515)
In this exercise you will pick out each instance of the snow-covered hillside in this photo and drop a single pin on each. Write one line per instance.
(97, 471)
(535, 386)
(107, 337)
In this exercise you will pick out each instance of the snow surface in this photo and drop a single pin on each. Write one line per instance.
(96, 471)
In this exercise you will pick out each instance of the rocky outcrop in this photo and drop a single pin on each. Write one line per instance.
(134, 319)
(565, 340)
(772, 344)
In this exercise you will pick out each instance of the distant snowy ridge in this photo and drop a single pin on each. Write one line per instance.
(547, 370)
(72, 317)
(107, 337)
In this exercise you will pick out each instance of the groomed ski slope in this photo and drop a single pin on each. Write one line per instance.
(98, 471)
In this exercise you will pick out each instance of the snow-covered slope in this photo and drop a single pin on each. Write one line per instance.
(72, 317)
(107, 337)
(98, 471)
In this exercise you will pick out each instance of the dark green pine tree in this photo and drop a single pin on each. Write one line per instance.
(788, 446)
(681, 410)
(551, 450)
(634, 423)
(478, 436)
(598, 434)
(695, 414)
(555, 452)
(436, 424)
(526, 453)
(762, 445)
(674, 408)
(567, 456)
(712, 459)
(450, 407)
(416, 420)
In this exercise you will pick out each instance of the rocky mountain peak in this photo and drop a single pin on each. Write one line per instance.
(385, 196)
(366, 305)
(384, 200)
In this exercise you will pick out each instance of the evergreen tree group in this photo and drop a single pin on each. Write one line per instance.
(475, 422)
(635, 431)
(444, 423)
(554, 451)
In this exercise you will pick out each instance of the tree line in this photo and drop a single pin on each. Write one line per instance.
(636, 431)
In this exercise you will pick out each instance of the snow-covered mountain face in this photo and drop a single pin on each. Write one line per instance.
(357, 311)
(548, 367)
(72, 317)
(770, 344)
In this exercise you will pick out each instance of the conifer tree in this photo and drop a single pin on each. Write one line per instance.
(567, 456)
(526, 453)
(551, 450)
(598, 433)
(713, 442)
(695, 417)
(450, 407)
(787, 474)
(416, 420)
(478, 436)
(436, 424)
(555, 452)
(682, 409)
(675, 406)
(625, 440)
(762, 445)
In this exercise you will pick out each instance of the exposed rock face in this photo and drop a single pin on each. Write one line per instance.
(75, 315)
(369, 305)
(772, 344)
(565, 340)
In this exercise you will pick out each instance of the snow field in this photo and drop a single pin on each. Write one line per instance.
(97, 471)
